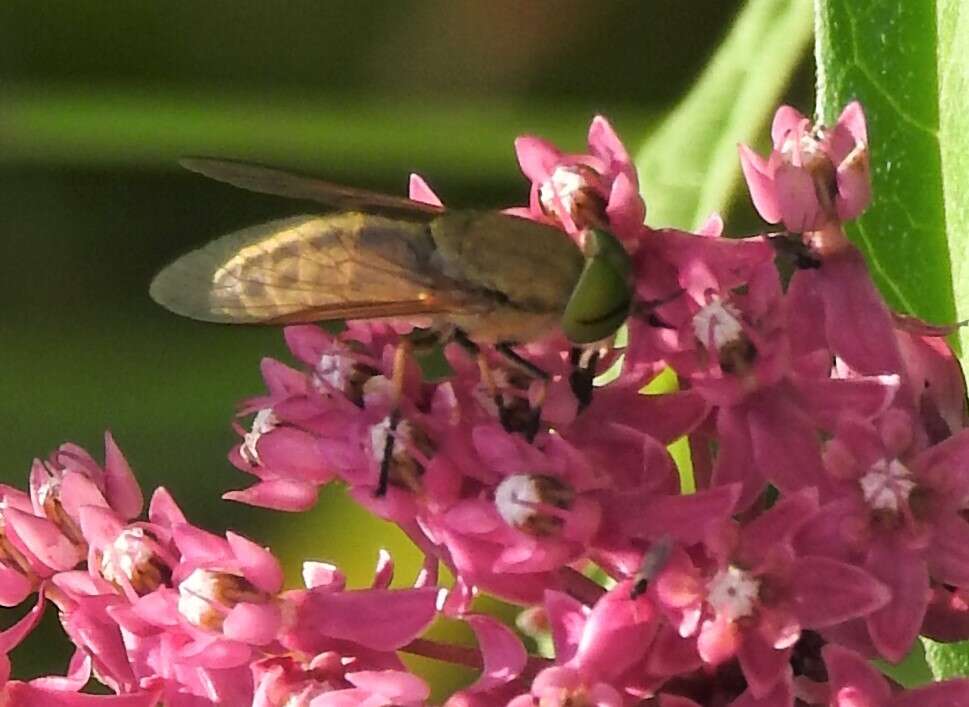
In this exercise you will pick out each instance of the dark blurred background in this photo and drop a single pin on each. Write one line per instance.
(97, 101)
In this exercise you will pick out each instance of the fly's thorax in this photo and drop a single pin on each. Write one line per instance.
(522, 264)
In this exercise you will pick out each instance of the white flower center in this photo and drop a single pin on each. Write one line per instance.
(887, 485)
(529, 502)
(126, 555)
(198, 598)
(717, 325)
(733, 593)
(333, 369)
(264, 421)
(564, 184)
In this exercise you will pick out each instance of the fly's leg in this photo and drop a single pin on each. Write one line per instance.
(653, 563)
(584, 362)
(401, 355)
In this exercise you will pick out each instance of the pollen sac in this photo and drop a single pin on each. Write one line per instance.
(534, 503)
(264, 422)
(133, 559)
(574, 193)
(343, 371)
(410, 445)
(206, 596)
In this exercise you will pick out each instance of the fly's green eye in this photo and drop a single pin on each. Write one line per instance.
(601, 299)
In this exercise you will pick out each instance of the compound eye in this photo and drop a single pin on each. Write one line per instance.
(602, 297)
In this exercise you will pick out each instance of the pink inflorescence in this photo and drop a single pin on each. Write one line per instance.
(824, 525)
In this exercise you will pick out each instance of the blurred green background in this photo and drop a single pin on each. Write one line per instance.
(98, 100)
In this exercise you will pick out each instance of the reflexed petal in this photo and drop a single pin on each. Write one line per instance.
(760, 184)
(258, 564)
(121, 487)
(948, 553)
(894, 628)
(503, 654)
(278, 495)
(537, 157)
(763, 665)
(418, 190)
(849, 671)
(828, 592)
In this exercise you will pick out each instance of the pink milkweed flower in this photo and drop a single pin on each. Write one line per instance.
(71, 479)
(760, 595)
(597, 189)
(900, 514)
(814, 176)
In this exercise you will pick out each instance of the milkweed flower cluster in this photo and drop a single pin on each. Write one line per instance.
(823, 522)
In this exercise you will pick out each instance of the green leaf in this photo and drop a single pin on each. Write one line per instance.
(891, 56)
(689, 166)
(906, 63)
(947, 660)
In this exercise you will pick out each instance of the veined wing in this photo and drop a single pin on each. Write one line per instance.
(268, 180)
(312, 268)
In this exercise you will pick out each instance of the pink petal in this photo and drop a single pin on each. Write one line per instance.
(782, 695)
(503, 654)
(763, 665)
(255, 624)
(828, 592)
(852, 118)
(797, 199)
(100, 525)
(776, 526)
(396, 686)
(718, 641)
(854, 188)
(566, 618)
(828, 399)
(713, 226)
(786, 119)
(537, 157)
(294, 453)
(685, 518)
(121, 486)
(780, 431)
(384, 573)
(948, 553)
(200, 547)
(26, 695)
(78, 674)
(625, 209)
(12, 636)
(322, 574)
(215, 653)
(258, 564)
(382, 619)
(14, 586)
(849, 671)
(43, 540)
(616, 635)
(163, 511)
(894, 628)
(857, 321)
(278, 495)
(606, 145)
(420, 191)
(735, 457)
(760, 184)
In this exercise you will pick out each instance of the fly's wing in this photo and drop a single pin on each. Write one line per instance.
(312, 268)
(268, 180)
